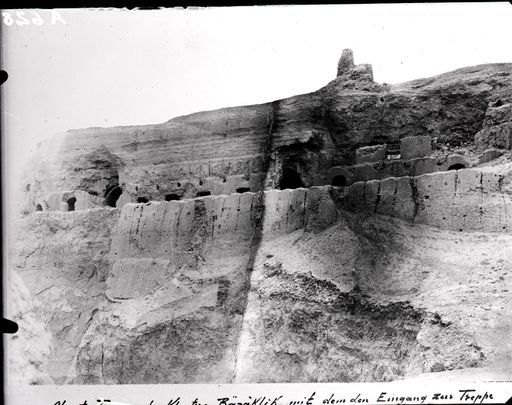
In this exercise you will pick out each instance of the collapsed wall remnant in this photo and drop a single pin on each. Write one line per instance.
(469, 200)
(374, 153)
(496, 132)
(347, 68)
(415, 147)
(346, 62)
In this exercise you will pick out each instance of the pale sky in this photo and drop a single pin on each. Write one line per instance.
(115, 67)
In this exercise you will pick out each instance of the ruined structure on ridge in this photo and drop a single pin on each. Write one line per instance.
(350, 234)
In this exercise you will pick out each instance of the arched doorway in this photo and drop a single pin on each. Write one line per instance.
(290, 179)
(71, 204)
(112, 195)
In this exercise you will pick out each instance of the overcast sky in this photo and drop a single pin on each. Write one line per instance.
(115, 67)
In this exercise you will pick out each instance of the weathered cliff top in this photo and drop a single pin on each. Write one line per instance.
(249, 147)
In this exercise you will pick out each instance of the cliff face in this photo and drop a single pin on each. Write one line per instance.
(63, 261)
(250, 147)
(350, 234)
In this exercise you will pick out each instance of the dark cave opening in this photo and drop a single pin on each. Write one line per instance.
(290, 179)
(39, 207)
(203, 193)
(172, 197)
(243, 189)
(112, 195)
(71, 204)
(339, 181)
(457, 166)
(142, 200)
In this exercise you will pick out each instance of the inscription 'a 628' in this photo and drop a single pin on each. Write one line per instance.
(30, 17)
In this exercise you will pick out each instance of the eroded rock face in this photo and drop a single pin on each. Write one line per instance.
(375, 299)
(63, 260)
(496, 130)
(284, 242)
(250, 147)
(30, 349)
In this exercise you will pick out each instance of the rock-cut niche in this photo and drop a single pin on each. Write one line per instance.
(71, 204)
(172, 197)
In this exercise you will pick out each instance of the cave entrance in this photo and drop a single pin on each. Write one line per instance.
(457, 166)
(142, 200)
(172, 197)
(203, 193)
(39, 207)
(71, 204)
(339, 181)
(243, 189)
(290, 179)
(112, 195)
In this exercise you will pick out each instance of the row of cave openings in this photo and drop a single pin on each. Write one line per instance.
(175, 197)
(111, 200)
(113, 193)
(71, 204)
(341, 181)
(290, 179)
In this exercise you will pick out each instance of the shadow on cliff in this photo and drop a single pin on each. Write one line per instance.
(259, 211)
